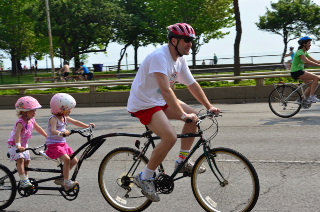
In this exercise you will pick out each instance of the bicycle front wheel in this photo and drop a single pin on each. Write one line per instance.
(116, 173)
(230, 182)
(8, 187)
(285, 103)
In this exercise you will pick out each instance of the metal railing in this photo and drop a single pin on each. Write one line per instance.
(93, 85)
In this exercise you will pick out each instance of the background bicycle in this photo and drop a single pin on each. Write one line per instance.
(286, 99)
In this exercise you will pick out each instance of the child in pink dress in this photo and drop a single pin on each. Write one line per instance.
(61, 105)
(22, 132)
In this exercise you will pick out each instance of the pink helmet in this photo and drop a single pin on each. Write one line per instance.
(27, 103)
(181, 30)
(61, 102)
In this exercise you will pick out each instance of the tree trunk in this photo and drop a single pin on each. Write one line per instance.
(122, 53)
(237, 40)
(136, 46)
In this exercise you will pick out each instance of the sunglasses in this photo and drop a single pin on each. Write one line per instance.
(187, 40)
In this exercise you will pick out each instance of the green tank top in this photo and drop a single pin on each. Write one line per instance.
(297, 63)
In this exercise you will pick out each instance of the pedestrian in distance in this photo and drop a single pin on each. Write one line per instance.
(61, 105)
(21, 134)
(297, 69)
(153, 101)
(215, 59)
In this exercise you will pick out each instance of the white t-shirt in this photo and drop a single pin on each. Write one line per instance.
(145, 92)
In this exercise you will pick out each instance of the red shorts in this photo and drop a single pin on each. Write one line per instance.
(145, 116)
(55, 151)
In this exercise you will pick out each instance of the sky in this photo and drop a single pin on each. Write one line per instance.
(253, 42)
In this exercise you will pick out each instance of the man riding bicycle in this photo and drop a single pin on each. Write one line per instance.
(154, 102)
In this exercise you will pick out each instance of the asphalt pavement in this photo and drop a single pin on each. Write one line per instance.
(285, 153)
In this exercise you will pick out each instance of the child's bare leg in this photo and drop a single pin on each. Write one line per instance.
(66, 166)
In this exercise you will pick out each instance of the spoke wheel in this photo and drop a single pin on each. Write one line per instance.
(237, 188)
(8, 187)
(116, 173)
(283, 102)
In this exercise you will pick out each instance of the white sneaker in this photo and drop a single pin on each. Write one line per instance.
(313, 99)
(147, 188)
(70, 184)
(25, 183)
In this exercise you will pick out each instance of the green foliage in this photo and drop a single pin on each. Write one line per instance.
(79, 26)
(289, 19)
(207, 17)
(17, 36)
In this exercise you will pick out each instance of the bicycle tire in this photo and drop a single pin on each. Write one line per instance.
(281, 105)
(239, 188)
(8, 187)
(115, 178)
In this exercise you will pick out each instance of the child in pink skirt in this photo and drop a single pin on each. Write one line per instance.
(61, 105)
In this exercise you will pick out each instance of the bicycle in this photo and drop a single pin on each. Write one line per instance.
(230, 182)
(9, 186)
(61, 78)
(286, 99)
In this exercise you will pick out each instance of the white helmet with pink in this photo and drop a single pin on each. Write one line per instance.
(27, 103)
(61, 102)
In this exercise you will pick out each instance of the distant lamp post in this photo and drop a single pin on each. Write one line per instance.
(50, 37)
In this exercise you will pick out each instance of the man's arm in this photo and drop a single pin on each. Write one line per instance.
(199, 94)
(168, 93)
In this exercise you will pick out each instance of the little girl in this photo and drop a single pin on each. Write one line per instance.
(61, 105)
(22, 131)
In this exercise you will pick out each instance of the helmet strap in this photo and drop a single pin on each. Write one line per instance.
(176, 47)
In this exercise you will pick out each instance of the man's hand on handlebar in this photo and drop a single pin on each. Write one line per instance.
(214, 110)
(191, 117)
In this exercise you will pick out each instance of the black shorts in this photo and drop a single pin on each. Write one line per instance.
(65, 74)
(295, 75)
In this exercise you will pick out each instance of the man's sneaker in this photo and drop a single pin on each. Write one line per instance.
(188, 167)
(147, 188)
(70, 184)
(25, 183)
(59, 181)
(313, 99)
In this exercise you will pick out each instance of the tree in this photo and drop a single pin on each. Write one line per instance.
(289, 19)
(17, 37)
(80, 27)
(207, 17)
(140, 27)
(237, 40)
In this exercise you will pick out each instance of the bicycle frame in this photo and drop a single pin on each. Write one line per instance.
(151, 141)
(300, 86)
(91, 146)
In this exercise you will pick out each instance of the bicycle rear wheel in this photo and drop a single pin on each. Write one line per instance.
(116, 173)
(237, 188)
(8, 187)
(283, 102)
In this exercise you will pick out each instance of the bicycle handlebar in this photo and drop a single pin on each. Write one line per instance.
(34, 149)
(82, 132)
(201, 117)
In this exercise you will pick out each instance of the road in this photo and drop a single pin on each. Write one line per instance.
(285, 153)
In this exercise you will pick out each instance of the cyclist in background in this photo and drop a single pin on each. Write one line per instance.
(65, 71)
(153, 101)
(85, 69)
(291, 54)
(297, 69)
